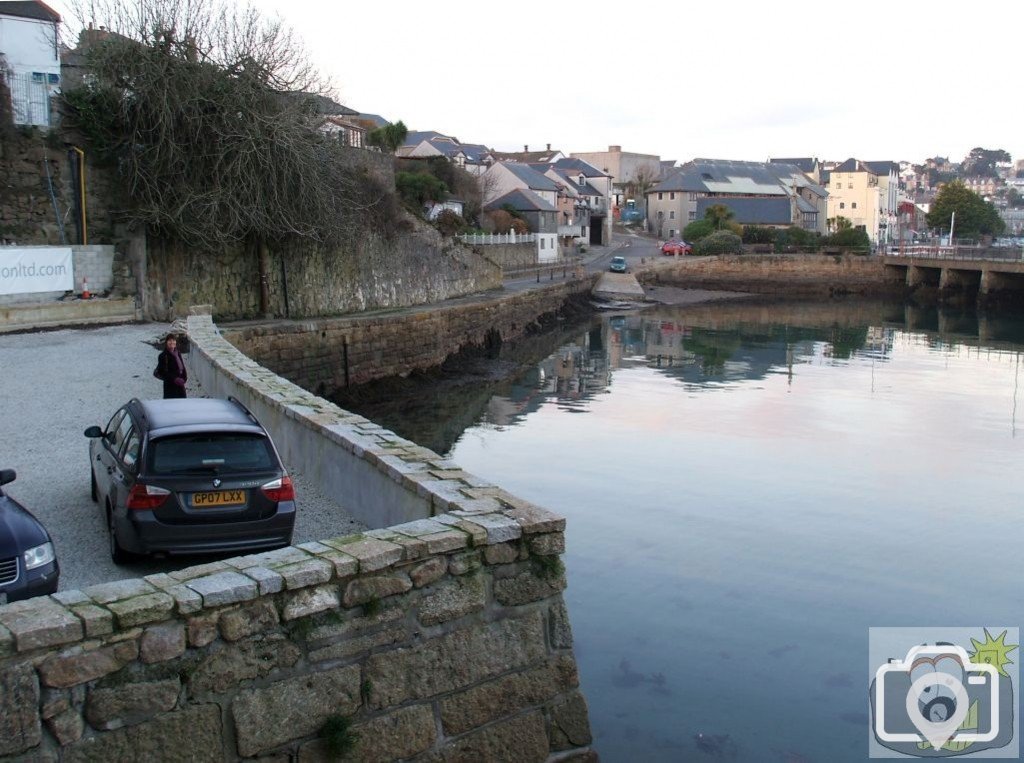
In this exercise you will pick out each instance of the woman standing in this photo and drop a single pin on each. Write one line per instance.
(170, 368)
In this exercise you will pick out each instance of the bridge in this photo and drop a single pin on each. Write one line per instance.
(988, 271)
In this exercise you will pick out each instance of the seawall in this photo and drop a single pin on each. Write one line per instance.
(804, 276)
(323, 355)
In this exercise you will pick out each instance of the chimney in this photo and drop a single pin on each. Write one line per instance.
(614, 149)
(526, 149)
(549, 146)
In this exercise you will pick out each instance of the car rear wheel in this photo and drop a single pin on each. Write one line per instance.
(117, 554)
(93, 490)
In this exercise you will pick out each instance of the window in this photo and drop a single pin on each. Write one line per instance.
(672, 196)
(660, 196)
(842, 205)
(130, 452)
(113, 425)
(672, 214)
(660, 214)
(849, 185)
(693, 215)
(542, 242)
(853, 205)
(208, 453)
(124, 427)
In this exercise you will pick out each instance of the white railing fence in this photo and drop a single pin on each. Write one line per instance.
(498, 238)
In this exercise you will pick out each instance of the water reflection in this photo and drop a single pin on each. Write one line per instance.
(750, 489)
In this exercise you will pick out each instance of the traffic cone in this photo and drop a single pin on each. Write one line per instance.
(85, 288)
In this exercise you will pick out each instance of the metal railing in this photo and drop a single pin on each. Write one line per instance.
(564, 267)
(957, 252)
(498, 238)
(30, 98)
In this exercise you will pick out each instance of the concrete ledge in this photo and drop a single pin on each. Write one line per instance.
(71, 312)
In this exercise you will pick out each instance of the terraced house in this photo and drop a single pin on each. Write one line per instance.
(771, 194)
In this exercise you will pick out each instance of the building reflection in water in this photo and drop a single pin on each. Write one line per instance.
(700, 349)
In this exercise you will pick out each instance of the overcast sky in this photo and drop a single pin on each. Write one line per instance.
(747, 79)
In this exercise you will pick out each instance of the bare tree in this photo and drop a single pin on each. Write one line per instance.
(204, 110)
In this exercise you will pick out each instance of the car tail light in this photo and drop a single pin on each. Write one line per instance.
(144, 497)
(279, 490)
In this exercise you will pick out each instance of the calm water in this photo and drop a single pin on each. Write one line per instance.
(746, 498)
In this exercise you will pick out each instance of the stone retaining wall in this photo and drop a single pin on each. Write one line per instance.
(806, 275)
(327, 354)
(444, 638)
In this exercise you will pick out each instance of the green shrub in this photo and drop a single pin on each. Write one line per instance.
(758, 234)
(417, 188)
(795, 238)
(851, 238)
(720, 242)
(697, 230)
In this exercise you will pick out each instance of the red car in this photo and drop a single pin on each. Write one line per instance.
(675, 246)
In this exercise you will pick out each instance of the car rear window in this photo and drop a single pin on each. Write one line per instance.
(210, 453)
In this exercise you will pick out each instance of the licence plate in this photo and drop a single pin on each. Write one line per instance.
(218, 498)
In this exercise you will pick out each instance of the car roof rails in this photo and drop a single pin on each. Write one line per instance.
(140, 409)
(247, 412)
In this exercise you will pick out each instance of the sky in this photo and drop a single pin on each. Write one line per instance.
(745, 79)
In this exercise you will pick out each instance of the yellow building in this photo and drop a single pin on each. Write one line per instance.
(866, 194)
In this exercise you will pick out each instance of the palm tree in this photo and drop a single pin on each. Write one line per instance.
(718, 214)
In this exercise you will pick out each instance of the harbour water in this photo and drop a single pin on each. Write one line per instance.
(748, 490)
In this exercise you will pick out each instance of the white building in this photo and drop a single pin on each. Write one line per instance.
(28, 42)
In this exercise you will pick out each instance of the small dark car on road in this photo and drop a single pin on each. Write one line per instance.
(28, 563)
(188, 476)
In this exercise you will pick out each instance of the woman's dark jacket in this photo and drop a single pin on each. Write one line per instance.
(167, 369)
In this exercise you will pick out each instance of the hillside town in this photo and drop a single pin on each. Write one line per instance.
(566, 197)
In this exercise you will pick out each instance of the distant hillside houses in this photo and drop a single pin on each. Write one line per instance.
(771, 194)
(578, 193)
(472, 157)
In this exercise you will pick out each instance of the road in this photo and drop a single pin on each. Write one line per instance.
(595, 260)
(58, 383)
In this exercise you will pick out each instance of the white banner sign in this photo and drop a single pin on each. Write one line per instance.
(33, 269)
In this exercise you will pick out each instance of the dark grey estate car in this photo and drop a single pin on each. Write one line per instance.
(28, 564)
(193, 475)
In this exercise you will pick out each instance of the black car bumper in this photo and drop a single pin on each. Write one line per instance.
(143, 533)
(38, 582)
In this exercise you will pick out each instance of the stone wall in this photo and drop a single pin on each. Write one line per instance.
(509, 256)
(370, 273)
(324, 355)
(444, 638)
(34, 163)
(789, 275)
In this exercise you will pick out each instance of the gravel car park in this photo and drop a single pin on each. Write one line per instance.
(57, 383)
